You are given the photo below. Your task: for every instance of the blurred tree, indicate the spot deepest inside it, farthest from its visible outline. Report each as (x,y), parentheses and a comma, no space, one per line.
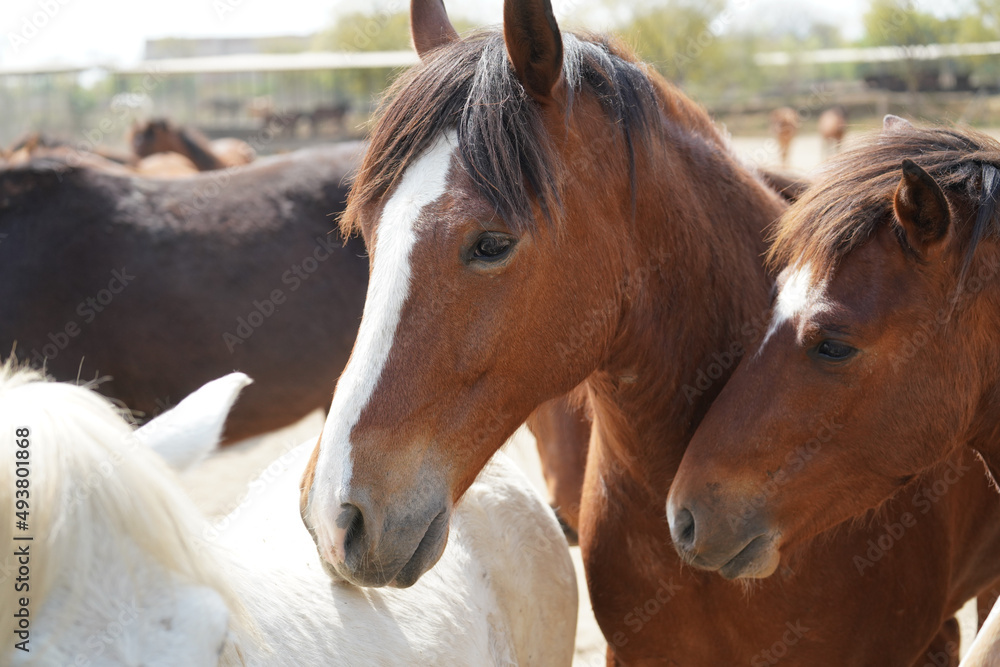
(901,23)
(678,37)
(370,31)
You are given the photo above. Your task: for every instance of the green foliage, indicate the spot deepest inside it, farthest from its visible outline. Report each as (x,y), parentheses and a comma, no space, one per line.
(900,23)
(365,31)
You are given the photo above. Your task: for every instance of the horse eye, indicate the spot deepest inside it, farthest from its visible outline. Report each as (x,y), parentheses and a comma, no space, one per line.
(491,247)
(832,350)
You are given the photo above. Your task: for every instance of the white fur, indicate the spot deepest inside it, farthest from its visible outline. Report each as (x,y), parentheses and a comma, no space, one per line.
(187,433)
(799,294)
(985,650)
(503,593)
(423,183)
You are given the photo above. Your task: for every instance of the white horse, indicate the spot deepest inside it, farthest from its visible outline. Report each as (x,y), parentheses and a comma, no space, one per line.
(123,570)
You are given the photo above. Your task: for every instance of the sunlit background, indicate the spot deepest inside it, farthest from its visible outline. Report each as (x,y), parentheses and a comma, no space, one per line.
(226,66)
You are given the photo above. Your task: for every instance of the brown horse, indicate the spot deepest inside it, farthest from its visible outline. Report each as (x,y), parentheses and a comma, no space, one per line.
(832,125)
(562,425)
(561,428)
(542,211)
(158,165)
(784,126)
(281,240)
(163,285)
(29,144)
(885,326)
(162,136)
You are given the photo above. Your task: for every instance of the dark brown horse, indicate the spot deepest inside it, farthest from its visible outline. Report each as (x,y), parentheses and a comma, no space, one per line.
(886,326)
(162,136)
(163,285)
(543,211)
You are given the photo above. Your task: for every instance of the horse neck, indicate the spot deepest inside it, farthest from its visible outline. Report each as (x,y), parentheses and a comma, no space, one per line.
(699,296)
(978,331)
(197,149)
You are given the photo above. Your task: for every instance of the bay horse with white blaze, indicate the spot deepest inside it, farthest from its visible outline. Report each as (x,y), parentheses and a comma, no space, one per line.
(886,323)
(541,210)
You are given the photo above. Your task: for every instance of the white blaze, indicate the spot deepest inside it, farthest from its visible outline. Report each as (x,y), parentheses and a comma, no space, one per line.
(797,295)
(423,183)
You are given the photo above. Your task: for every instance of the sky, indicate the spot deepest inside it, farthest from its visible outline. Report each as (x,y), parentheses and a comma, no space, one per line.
(85,32)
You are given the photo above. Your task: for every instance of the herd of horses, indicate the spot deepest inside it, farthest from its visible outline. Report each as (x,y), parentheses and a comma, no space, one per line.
(159,149)
(831,123)
(765,408)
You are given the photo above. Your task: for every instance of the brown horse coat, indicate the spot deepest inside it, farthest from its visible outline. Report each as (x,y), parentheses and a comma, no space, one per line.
(164,285)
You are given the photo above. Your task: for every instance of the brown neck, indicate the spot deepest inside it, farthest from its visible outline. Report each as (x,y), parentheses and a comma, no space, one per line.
(696,296)
(196,148)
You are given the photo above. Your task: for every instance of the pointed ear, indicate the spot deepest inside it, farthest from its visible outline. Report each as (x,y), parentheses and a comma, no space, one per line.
(429,26)
(188,432)
(534,45)
(921,208)
(892,124)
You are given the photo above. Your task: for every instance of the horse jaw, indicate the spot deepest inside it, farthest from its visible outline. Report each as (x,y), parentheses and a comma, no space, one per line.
(188,432)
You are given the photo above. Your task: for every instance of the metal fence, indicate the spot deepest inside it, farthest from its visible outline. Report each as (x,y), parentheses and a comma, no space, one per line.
(316,95)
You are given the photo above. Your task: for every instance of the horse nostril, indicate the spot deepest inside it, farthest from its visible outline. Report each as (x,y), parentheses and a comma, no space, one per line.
(682,528)
(352,522)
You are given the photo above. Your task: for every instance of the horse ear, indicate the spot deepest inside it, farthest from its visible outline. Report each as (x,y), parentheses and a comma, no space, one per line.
(921,208)
(429,26)
(895,124)
(534,45)
(188,432)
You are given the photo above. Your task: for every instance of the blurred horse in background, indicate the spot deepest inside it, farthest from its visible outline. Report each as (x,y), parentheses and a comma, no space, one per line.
(784,126)
(163,136)
(832,125)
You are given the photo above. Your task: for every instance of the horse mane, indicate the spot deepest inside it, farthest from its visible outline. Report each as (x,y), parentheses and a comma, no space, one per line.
(92,480)
(470,86)
(854,195)
(197,146)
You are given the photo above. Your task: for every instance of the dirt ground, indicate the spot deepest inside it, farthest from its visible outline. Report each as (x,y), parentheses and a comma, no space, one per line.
(218,485)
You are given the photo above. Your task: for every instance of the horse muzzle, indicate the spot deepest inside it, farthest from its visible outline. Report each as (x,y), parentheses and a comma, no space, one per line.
(366,546)
(730,543)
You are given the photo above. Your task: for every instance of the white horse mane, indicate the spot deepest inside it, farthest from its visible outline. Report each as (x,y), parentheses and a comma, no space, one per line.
(92,479)
(112,526)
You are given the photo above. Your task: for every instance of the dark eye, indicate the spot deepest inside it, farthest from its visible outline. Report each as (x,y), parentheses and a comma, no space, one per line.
(833,350)
(491,247)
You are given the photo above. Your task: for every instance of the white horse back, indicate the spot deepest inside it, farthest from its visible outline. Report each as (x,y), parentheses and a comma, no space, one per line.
(133,574)
(503,593)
